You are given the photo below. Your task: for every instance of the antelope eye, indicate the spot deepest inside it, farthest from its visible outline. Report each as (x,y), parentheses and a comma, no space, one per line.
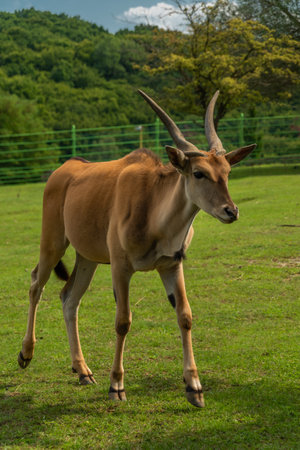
(199,175)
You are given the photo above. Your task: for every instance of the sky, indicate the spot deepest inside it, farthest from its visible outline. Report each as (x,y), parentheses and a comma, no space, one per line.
(111,14)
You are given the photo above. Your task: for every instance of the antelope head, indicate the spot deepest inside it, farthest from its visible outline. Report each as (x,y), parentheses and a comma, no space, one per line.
(205,172)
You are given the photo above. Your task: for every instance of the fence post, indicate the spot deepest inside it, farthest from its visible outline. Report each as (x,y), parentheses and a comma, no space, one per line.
(156,125)
(241,130)
(139,128)
(73,132)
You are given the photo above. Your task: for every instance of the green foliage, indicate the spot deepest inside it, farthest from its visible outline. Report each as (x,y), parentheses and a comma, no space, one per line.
(18,116)
(76,72)
(22,154)
(282,16)
(68,66)
(244,59)
(106,57)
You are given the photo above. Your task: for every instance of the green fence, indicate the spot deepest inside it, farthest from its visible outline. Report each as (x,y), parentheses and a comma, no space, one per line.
(32,157)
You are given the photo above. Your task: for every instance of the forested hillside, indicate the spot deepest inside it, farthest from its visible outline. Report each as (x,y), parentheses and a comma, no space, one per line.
(71,71)
(56,71)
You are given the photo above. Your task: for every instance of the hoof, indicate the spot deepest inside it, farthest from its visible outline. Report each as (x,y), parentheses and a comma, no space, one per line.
(117,394)
(86,379)
(195,397)
(23,362)
(122,395)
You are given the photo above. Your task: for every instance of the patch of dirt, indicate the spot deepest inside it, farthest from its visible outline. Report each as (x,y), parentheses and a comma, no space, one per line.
(287,262)
(11,394)
(276,262)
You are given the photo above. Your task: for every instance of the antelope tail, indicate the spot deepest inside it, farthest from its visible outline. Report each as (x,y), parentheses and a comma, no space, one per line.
(61,271)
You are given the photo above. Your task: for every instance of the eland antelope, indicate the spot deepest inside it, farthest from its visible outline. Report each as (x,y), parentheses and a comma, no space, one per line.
(136,214)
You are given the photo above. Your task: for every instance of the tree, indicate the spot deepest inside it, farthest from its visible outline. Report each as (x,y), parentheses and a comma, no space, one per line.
(76,72)
(283,16)
(106,57)
(244,59)
(23,154)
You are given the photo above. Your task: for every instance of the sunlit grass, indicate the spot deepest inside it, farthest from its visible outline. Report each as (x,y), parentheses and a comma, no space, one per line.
(243,283)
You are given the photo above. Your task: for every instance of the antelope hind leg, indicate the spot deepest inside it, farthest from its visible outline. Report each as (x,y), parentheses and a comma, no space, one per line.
(39,277)
(70,296)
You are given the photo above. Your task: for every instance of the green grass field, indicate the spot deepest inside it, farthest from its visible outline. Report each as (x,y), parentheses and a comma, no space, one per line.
(243,283)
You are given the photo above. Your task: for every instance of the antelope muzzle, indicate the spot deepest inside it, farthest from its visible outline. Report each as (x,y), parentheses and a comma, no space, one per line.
(231,214)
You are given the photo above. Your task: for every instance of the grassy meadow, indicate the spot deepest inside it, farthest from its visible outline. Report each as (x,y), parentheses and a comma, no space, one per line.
(243,283)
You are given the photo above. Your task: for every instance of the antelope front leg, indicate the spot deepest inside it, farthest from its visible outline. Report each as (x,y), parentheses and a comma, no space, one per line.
(122,326)
(173,281)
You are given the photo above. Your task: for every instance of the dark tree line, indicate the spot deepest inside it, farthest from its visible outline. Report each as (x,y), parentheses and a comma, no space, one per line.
(64,70)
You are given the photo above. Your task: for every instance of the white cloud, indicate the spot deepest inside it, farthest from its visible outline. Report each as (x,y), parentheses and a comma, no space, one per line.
(162,14)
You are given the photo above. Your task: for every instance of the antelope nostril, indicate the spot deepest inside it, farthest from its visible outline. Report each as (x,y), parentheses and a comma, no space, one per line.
(231,213)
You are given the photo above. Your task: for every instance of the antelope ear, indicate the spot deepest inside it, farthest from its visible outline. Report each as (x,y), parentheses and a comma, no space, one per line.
(177,158)
(237,155)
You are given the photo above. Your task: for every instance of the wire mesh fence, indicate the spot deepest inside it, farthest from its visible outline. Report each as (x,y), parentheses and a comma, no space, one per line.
(32,157)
